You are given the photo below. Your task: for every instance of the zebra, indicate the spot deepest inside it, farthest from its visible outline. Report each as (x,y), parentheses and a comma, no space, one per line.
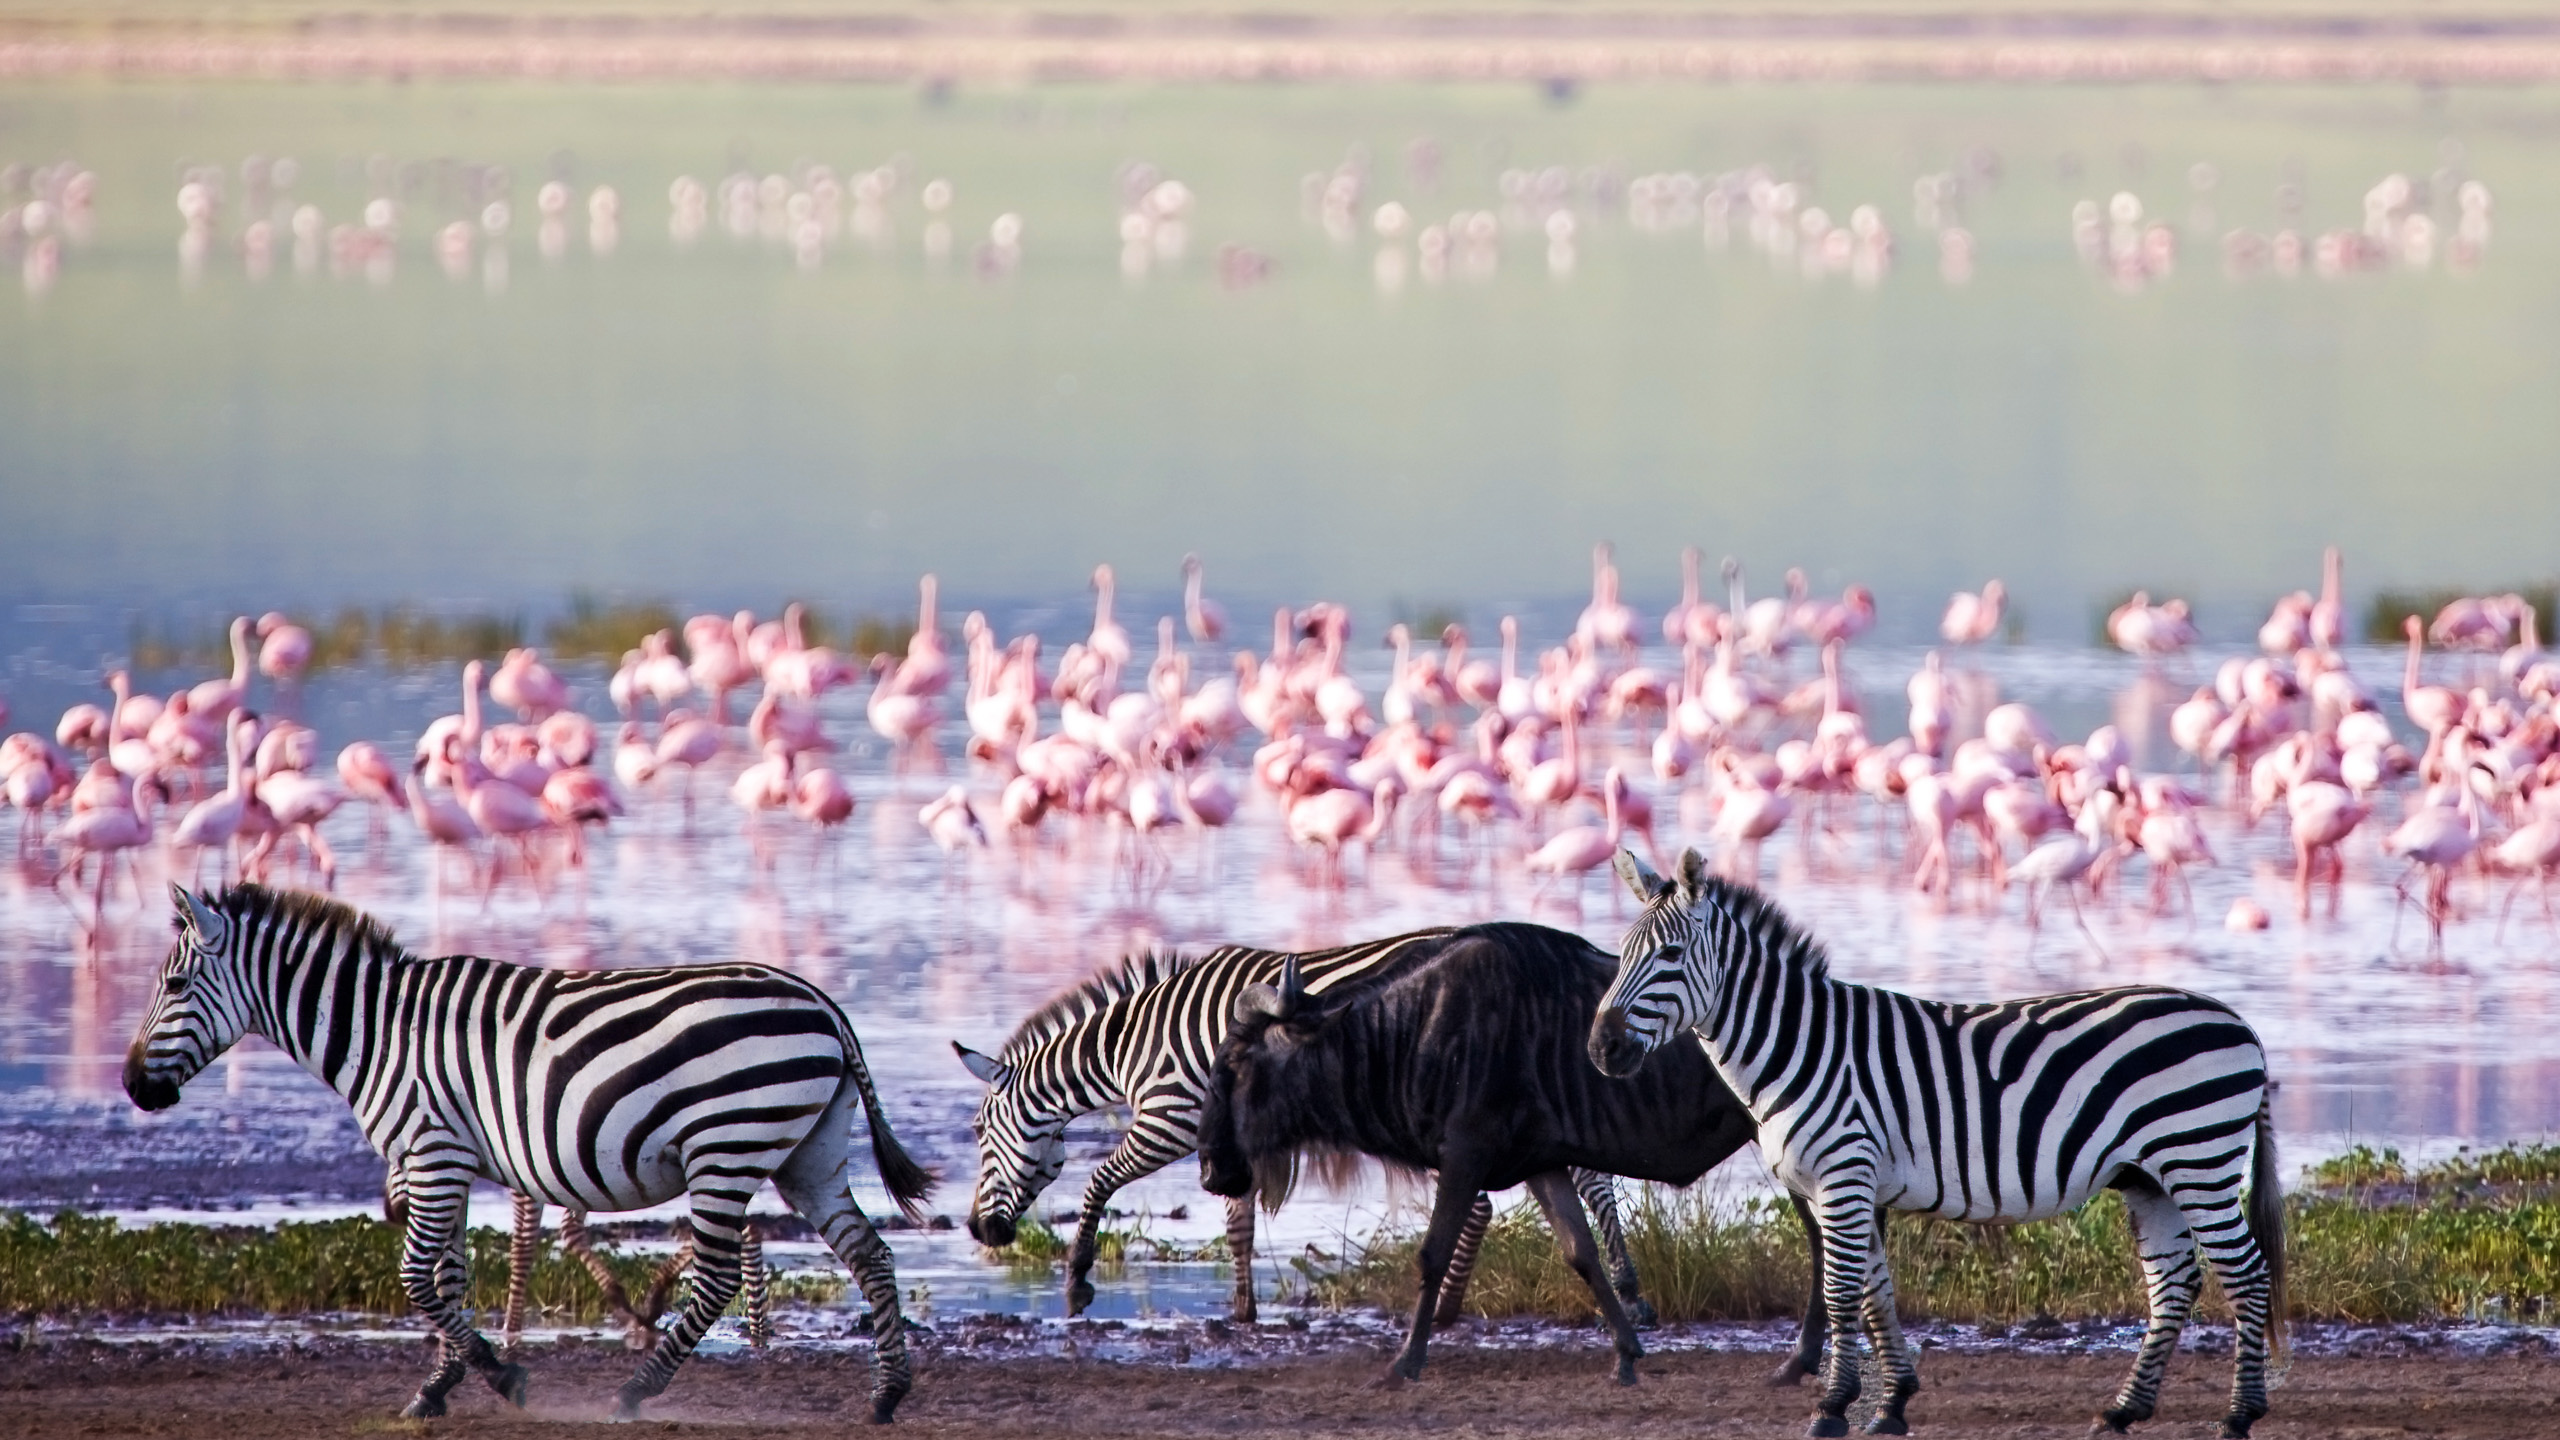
(2001,1112)
(596,1090)
(1144,1032)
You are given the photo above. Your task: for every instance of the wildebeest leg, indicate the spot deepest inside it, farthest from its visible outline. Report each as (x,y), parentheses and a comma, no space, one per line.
(1563,1207)
(1807,1359)
(1240,1250)
(1600,1196)
(1449,1210)
(1462,1263)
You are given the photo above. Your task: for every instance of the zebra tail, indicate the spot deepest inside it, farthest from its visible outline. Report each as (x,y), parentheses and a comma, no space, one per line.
(909,1183)
(2266,1226)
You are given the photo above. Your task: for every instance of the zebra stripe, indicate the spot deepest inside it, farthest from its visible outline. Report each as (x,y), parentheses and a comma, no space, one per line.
(2000,1112)
(603,1090)
(1145,1033)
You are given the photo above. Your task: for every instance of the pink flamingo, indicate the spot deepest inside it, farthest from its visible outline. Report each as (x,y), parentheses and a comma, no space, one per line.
(440,816)
(1607,623)
(83,727)
(106,831)
(2432,708)
(1752,812)
(690,741)
(502,812)
(1201,616)
(927,669)
(133,714)
(218,698)
(299,803)
(215,822)
(660,676)
(1330,819)
(2168,833)
(2531,850)
(635,760)
(1584,848)
(368,776)
(766,784)
(2435,838)
(1554,782)
(821,798)
(2287,630)
(568,739)
(952,824)
(903,720)
(284,648)
(525,685)
(2329,612)
(1108,640)
(2324,813)
(719,661)
(575,798)
(1677,622)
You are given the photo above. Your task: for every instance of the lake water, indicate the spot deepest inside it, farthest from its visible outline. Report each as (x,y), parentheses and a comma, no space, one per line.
(717,419)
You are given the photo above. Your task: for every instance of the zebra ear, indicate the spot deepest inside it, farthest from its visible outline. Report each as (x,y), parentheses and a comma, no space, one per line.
(200,917)
(1638,875)
(986,1067)
(1693,875)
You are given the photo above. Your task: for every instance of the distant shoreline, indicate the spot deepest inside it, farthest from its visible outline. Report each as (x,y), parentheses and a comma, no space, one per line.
(1993,46)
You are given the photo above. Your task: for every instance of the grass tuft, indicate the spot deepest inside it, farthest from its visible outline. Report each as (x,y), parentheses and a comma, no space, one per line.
(596,630)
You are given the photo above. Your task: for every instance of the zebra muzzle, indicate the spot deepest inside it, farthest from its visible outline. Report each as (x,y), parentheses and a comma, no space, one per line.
(993,1231)
(148,1091)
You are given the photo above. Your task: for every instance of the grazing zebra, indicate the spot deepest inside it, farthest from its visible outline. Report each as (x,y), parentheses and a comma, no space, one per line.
(1145,1033)
(2012,1111)
(597,1090)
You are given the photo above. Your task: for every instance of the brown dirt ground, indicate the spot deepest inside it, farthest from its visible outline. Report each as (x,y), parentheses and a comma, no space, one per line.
(88,1390)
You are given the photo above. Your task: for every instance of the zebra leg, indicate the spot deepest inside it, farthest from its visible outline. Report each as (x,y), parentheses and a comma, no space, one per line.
(1240,1251)
(1884,1327)
(1555,1194)
(1146,1149)
(1462,1262)
(717,1216)
(2222,1228)
(436,1201)
(1449,1208)
(520,1257)
(829,1209)
(1845,1221)
(1600,1195)
(2171,1281)
(452,1276)
(759,1287)
(638,1332)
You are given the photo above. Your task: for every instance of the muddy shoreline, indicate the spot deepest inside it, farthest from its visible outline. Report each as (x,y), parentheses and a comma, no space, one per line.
(996,1377)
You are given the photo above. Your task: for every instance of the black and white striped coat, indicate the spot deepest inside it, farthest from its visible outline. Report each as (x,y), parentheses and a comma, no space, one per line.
(2011,1111)
(1145,1033)
(598,1090)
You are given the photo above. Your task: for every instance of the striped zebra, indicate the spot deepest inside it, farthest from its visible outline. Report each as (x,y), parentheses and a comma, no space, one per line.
(599,1090)
(2003,1112)
(1144,1032)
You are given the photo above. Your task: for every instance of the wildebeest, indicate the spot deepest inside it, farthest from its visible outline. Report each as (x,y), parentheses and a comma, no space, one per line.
(1471,1065)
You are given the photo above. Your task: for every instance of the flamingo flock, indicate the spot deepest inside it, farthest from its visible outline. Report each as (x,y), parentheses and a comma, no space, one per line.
(1540,764)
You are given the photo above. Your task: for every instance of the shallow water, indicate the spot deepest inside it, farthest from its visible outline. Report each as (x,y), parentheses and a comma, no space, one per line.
(2373,1041)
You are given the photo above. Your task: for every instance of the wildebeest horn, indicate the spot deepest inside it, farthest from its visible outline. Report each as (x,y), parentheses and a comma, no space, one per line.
(1258,1000)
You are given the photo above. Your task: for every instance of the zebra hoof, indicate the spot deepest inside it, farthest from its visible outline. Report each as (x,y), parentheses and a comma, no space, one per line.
(1827,1425)
(1888,1425)
(1394,1379)
(509,1381)
(884,1408)
(425,1407)
(2236,1427)
(1789,1374)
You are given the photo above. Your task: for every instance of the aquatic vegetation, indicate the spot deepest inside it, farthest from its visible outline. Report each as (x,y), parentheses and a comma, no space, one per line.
(1038,1245)
(88,1265)
(595,629)
(2372,1239)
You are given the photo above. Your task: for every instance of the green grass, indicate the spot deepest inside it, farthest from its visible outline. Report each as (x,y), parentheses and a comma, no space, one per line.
(1039,1246)
(596,630)
(2371,1238)
(87,1266)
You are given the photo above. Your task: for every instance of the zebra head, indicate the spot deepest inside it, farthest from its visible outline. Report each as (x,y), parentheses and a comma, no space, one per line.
(196,1012)
(1022,1146)
(1665,965)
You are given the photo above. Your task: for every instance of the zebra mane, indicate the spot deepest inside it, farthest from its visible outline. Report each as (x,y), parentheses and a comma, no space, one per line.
(1106,986)
(258,902)
(1758,917)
